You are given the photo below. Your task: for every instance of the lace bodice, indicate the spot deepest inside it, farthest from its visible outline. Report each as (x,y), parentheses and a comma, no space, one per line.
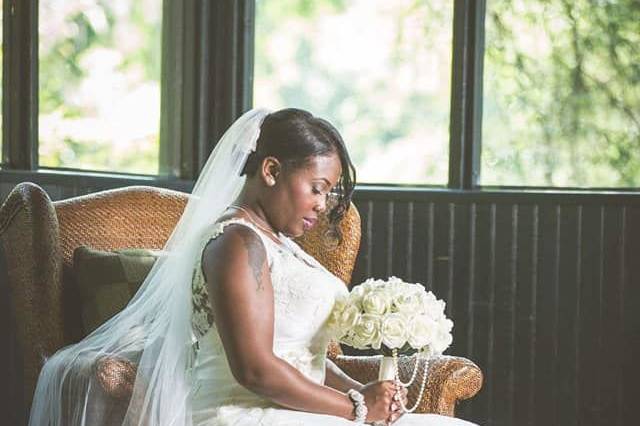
(304,294)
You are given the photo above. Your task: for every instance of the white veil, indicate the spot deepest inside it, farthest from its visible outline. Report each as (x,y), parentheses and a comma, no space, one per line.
(154,331)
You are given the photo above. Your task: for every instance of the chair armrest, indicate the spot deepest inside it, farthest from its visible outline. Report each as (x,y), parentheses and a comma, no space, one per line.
(116,376)
(450,379)
(31,290)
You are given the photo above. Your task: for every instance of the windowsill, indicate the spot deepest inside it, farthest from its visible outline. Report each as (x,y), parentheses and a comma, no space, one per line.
(97,179)
(522,195)
(364,191)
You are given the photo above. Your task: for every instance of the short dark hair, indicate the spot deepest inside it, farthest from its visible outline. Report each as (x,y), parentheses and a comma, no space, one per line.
(293,136)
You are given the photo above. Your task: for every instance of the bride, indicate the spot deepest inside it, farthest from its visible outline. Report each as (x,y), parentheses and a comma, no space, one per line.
(229,326)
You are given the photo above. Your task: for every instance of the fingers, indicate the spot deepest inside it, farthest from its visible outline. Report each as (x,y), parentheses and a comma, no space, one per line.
(401,394)
(396,411)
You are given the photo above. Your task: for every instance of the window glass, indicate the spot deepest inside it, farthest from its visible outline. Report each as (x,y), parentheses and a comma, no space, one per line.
(562,93)
(379,70)
(100,84)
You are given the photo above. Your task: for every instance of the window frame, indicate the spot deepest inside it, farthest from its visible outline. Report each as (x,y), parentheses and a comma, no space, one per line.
(207,82)
(19,85)
(204,46)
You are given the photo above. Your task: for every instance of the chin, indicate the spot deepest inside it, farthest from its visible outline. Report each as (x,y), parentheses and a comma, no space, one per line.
(296,232)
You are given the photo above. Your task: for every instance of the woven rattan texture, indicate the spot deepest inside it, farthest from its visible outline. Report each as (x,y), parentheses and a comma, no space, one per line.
(116,376)
(340,259)
(450,379)
(136,216)
(28,234)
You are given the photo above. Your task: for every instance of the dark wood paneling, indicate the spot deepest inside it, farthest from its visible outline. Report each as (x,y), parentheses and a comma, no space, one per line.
(630,301)
(612,337)
(542,288)
(525,254)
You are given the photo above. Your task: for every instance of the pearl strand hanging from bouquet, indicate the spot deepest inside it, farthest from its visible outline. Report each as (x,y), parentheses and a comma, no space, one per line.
(397,397)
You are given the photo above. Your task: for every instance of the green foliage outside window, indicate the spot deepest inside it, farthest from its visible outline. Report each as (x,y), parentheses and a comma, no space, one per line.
(561,86)
(562,93)
(378,70)
(99,88)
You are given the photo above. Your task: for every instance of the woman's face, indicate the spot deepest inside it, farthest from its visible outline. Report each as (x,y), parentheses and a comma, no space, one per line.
(300,194)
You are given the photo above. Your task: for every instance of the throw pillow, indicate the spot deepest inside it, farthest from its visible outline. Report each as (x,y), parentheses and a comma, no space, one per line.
(108,280)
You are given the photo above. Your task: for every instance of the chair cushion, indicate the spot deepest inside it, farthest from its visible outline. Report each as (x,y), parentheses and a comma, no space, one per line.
(106,281)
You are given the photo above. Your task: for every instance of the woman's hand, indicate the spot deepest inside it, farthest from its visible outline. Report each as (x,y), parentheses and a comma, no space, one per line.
(378,396)
(400,394)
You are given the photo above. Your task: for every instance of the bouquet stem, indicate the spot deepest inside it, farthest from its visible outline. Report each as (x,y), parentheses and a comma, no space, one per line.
(387,369)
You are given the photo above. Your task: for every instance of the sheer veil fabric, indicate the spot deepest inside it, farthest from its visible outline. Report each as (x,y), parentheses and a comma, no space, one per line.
(154,331)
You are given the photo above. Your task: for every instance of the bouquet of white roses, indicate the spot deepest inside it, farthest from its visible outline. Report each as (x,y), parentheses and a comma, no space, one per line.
(392,314)
(395,318)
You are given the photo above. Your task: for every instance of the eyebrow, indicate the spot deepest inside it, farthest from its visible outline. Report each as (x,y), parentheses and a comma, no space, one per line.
(325,181)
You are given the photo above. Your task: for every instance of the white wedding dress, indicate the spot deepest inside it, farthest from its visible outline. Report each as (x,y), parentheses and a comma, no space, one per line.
(304,294)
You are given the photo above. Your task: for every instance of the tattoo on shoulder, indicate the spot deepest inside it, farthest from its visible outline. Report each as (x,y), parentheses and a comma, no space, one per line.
(256,257)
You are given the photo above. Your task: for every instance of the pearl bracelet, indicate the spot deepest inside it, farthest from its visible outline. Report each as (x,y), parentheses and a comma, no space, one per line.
(359,406)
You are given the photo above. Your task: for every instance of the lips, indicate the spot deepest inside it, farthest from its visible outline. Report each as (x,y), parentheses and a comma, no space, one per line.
(308,223)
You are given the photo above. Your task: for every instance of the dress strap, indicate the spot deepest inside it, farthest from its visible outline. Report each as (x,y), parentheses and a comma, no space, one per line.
(219,228)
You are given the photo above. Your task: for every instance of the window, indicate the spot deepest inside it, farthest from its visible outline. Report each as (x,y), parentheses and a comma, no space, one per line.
(536,94)
(380,71)
(99,84)
(561,94)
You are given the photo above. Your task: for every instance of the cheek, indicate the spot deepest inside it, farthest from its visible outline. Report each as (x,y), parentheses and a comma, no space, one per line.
(288,200)
(300,198)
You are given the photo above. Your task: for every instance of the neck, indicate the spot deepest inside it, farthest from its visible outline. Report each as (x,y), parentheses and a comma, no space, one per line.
(252,204)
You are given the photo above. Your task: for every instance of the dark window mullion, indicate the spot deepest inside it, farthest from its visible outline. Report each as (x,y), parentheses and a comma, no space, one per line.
(466,94)
(171,89)
(20,85)
(230,89)
(206,81)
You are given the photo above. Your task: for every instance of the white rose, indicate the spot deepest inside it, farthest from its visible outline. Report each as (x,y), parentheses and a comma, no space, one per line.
(333,322)
(407,302)
(421,293)
(367,332)
(445,324)
(358,292)
(421,331)
(370,284)
(435,308)
(395,285)
(430,296)
(395,281)
(375,302)
(441,342)
(393,330)
(348,318)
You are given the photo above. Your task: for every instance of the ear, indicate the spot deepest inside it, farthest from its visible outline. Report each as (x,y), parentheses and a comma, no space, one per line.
(270,170)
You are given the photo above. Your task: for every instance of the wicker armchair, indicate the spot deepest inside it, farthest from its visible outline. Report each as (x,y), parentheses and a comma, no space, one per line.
(41,310)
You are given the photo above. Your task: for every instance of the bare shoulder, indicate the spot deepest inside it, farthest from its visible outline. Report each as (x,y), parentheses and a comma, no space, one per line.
(235,252)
